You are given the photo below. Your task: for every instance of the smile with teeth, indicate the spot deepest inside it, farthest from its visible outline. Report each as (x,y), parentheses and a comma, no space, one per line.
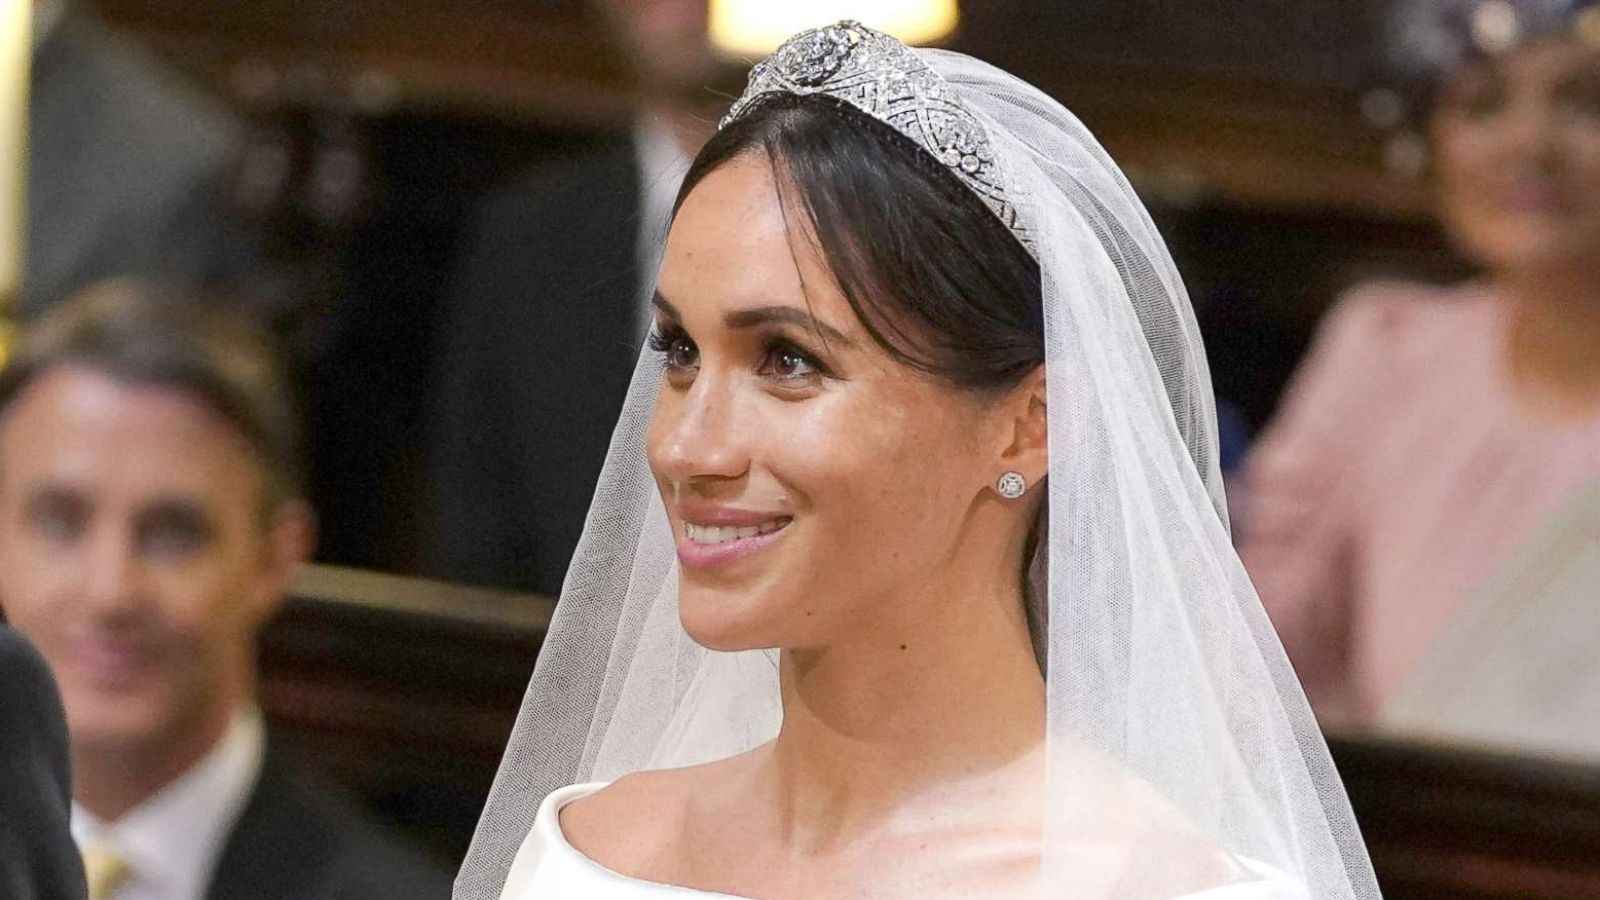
(723,534)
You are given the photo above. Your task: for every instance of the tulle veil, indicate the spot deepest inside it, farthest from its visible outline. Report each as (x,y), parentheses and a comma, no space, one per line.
(1159,657)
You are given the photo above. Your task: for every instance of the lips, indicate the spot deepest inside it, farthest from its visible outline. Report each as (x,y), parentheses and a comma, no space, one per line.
(709,544)
(1534,196)
(722,534)
(110,663)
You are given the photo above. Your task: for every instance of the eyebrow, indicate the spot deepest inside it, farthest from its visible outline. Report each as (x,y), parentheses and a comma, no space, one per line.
(51,493)
(766,315)
(175,507)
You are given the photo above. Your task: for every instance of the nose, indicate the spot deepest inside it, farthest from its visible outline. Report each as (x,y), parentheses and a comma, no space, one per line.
(696,436)
(113,576)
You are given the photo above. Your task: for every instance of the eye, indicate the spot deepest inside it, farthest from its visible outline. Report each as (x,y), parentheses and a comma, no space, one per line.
(172,540)
(787,362)
(55,518)
(672,342)
(175,531)
(1582,99)
(1479,97)
(1481,104)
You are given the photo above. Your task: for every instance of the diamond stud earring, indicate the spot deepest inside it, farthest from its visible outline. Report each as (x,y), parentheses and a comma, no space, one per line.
(1011,485)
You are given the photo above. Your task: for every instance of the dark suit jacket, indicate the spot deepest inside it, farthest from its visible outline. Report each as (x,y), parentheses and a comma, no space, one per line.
(537,345)
(38,860)
(298,839)
(125,166)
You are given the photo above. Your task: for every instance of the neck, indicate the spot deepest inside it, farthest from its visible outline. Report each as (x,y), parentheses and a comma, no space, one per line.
(1554,328)
(111,779)
(913,710)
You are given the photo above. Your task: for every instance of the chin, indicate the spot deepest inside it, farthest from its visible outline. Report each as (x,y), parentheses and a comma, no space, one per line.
(1533,246)
(726,620)
(117,722)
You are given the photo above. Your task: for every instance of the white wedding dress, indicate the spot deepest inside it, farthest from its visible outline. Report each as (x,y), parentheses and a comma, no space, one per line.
(549,868)
(1157,657)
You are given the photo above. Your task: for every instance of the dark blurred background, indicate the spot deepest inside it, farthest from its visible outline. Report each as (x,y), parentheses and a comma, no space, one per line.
(1240,123)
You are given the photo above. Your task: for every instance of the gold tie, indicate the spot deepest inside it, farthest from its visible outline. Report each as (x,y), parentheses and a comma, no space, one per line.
(105,870)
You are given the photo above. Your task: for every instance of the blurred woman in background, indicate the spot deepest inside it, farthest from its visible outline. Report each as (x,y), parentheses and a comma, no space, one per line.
(1431,431)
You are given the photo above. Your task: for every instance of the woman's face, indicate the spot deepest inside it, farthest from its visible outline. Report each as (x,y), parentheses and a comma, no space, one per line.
(1518,148)
(809,478)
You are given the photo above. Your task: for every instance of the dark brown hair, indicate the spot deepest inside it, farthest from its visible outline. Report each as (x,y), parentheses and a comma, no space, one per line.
(149,333)
(935,277)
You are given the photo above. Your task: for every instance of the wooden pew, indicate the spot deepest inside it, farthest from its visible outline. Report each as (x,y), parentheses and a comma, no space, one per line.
(401,689)
(1467,824)
(405,691)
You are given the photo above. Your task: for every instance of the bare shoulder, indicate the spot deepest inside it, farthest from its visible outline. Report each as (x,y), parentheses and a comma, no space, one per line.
(1133,820)
(612,825)
(629,824)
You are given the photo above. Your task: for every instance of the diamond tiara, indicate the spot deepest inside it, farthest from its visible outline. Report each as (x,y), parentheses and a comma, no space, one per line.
(887,80)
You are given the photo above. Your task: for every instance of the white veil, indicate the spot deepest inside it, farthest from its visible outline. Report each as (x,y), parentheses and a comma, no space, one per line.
(1159,657)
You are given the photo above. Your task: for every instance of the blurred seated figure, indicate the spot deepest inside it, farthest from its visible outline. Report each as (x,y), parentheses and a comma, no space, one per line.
(538,337)
(150,522)
(37,858)
(1519,668)
(126,165)
(1431,431)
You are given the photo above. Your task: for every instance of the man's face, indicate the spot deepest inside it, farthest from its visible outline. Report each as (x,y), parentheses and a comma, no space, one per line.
(135,553)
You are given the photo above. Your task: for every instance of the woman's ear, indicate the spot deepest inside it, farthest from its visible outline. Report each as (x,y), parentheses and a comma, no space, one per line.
(1027,421)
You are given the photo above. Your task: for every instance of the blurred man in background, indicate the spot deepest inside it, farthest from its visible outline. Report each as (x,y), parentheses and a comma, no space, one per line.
(540,334)
(150,523)
(127,165)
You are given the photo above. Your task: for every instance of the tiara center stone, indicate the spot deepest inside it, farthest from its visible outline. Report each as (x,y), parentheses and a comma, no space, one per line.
(816,57)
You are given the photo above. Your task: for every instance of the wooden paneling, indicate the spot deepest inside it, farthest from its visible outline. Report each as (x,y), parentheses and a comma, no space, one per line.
(1255,100)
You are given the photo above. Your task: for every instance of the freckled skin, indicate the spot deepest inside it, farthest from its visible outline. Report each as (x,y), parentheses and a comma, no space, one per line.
(876,464)
(911,754)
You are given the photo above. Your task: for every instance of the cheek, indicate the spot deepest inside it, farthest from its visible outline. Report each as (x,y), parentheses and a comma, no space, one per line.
(1468,172)
(662,420)
(193,612)
(1463,170)
(1461,149)
(205,609)
(889,486)
(36,587)
(1586,166)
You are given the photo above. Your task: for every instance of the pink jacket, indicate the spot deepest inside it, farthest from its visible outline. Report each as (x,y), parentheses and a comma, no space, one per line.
(1396,477)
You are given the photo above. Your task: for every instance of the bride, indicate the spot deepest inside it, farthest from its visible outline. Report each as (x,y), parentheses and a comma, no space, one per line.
(909,574)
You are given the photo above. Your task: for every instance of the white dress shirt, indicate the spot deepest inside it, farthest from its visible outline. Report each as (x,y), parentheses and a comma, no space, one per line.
(171,841)
(662,164)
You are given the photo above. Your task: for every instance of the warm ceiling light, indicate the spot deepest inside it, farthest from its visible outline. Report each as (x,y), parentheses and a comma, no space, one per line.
(754,28)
